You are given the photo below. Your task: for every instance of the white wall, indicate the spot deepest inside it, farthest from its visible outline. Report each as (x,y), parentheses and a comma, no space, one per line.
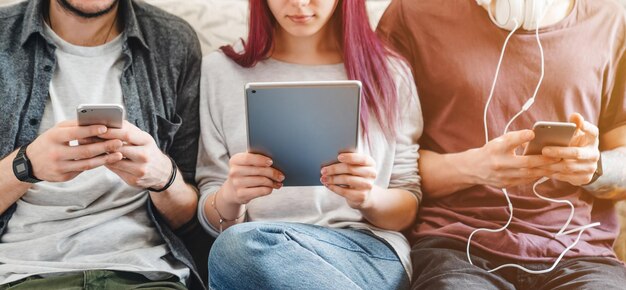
(221,22)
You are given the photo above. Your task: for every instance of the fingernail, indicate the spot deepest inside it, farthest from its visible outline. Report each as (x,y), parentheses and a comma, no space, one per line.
(548,151)
(281,178)
(324,179)
(269,162)
(323,171)
(341,158)
(102,130)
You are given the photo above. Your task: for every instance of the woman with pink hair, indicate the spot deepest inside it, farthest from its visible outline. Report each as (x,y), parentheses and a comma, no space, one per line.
(345,234)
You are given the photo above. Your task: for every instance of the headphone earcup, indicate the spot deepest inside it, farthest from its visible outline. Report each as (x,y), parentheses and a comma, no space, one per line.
(534,10)
(508,12)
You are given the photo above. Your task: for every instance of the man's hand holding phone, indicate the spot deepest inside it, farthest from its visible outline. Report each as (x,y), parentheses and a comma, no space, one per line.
(144,164)
(54,160)
(496,164)
(578,161)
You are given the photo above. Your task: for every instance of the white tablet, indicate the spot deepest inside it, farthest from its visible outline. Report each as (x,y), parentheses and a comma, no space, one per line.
(303,126)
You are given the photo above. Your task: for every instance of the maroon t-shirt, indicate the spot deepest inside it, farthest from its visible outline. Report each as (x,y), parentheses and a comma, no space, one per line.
(454,48)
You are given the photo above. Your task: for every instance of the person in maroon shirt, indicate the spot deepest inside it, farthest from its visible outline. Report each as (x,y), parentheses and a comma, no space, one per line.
(453,47)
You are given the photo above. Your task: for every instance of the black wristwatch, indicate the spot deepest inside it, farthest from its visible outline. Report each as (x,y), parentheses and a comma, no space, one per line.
(598,172)
(22,168)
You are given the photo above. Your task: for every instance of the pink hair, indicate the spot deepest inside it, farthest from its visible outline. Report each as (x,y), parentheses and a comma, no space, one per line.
(365,57)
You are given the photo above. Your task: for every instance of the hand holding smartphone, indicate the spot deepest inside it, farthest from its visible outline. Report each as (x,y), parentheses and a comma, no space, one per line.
(110,115)
(550,134)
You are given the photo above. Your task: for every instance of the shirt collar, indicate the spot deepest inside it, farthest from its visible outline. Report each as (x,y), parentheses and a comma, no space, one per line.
(35,9)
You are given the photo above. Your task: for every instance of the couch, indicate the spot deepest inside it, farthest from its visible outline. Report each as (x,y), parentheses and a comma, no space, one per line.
(220,22)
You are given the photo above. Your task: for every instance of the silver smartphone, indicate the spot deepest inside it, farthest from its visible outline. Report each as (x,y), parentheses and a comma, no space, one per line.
(110,115)
(550,134)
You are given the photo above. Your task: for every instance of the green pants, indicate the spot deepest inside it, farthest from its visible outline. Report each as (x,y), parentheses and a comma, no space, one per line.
(95,279)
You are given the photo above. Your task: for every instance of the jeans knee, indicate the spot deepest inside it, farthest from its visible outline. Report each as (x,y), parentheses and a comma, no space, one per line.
(243,248)
(226,257)
(229,246)
(240,247)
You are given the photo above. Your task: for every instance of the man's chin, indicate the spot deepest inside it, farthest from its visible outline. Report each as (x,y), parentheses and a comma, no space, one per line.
(91,11)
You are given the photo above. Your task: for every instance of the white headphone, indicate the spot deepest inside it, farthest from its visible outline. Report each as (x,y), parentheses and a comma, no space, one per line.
(525,12)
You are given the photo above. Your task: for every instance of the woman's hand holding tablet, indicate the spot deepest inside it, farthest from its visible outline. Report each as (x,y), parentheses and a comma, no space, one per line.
(353,178)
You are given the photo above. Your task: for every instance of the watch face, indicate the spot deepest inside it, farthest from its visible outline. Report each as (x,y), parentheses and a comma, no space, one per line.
(21,168)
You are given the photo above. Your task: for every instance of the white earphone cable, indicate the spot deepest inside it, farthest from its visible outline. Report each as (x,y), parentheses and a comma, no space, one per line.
(531,101)
(495,80)
(493,85)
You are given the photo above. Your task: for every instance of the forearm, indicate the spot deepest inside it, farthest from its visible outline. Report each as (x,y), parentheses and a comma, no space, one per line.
(445,174)
(11,189)
(391,209)
(612,184)
(177,204)
(231,214)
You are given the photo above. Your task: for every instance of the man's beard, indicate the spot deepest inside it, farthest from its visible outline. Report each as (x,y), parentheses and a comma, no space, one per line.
(74,10)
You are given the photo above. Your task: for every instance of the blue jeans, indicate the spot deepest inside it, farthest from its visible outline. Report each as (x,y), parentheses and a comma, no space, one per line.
(257,255)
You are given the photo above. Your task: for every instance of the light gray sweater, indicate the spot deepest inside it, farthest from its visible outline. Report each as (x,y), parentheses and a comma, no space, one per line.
(223,134)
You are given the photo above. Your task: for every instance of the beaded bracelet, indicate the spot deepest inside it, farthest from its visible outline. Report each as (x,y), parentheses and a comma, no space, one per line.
(222,219)
(171,180)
